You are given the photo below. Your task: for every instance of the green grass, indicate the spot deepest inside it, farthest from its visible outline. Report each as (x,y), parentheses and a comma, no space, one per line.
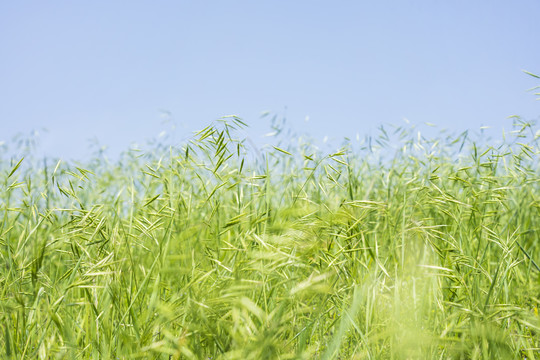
(213,251)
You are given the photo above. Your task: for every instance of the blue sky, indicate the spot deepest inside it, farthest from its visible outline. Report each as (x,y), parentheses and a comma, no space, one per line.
(107,70)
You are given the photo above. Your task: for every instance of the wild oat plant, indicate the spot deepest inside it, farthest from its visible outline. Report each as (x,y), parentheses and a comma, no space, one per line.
(398,248)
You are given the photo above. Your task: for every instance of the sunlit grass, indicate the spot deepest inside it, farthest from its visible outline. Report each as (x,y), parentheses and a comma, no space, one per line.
(429,251)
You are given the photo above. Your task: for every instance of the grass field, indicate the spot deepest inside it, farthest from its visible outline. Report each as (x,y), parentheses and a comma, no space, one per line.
(216,251)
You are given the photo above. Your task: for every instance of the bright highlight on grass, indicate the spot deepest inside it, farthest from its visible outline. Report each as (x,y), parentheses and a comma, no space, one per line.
(213,252)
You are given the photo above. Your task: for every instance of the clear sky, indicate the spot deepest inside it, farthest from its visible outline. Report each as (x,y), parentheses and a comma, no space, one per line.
(107,70)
